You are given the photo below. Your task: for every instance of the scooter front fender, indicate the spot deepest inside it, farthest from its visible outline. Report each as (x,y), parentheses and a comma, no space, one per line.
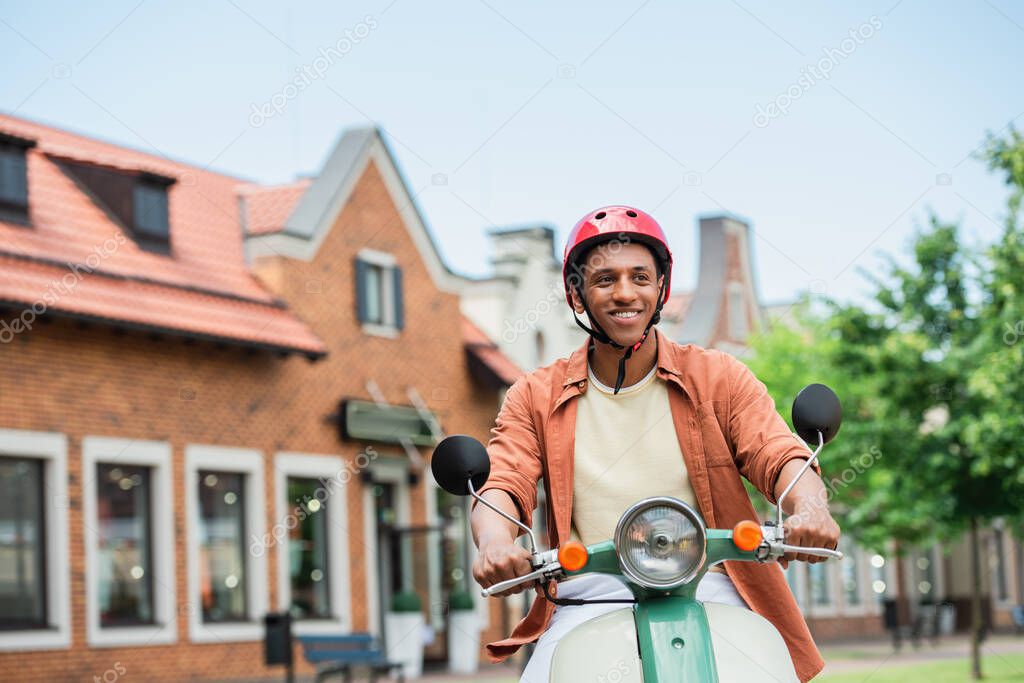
(657,641)
(684,641)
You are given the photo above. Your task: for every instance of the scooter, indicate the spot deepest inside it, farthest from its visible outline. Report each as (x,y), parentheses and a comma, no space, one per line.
(661,549)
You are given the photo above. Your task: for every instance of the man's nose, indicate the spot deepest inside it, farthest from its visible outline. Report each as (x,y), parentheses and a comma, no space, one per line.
(624,290)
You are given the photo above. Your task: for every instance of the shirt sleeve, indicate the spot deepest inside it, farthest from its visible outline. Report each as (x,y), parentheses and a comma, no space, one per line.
(515,452)
(761,439)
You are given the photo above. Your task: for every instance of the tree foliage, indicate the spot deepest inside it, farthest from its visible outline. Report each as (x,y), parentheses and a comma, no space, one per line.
(931,375)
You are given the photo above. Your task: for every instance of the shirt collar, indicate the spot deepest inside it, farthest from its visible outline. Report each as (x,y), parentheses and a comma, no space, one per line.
(576,370)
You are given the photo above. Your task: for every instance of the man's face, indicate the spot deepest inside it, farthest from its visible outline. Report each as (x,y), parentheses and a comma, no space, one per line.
(621,285)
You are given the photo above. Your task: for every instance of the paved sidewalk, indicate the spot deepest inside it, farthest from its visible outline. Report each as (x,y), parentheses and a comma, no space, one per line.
(488,673)
(868,656)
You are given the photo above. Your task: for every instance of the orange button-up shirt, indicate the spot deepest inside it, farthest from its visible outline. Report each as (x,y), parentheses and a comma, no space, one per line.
(727,426)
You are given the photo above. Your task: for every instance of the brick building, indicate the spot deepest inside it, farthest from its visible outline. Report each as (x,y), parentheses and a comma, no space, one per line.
(216,400)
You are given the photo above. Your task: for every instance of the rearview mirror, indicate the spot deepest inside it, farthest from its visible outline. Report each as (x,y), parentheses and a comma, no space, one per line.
(457,460)
(816,409)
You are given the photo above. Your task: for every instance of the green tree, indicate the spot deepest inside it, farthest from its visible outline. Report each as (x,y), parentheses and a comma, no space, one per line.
(932,386)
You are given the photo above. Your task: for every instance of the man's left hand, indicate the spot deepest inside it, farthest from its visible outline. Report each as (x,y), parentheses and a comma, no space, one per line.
(810,526)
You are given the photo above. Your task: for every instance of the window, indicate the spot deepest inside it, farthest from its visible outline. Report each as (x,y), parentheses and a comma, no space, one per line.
(373,292)
(149,210)
(307,551)
(1002,586)
(379,305)
(227,543)
(125,535)
(310,531)
(22,545)
(128,528)
(850,568)
(793,576)
(222,545)
(13,174)
(35,569)
(818,577)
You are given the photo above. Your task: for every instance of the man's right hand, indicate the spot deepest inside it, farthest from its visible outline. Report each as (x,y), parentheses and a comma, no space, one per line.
(500,559)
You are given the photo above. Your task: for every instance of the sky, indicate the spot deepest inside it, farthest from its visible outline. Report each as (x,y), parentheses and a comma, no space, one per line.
(834,128)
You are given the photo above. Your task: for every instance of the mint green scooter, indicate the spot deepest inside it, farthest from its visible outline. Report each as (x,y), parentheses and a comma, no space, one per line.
(662,549)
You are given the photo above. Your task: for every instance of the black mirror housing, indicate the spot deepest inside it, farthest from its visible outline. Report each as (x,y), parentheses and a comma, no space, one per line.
(457,460)
(817,409)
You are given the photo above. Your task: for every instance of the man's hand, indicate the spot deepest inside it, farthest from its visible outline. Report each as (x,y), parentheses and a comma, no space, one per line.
(811,525)
(500,559)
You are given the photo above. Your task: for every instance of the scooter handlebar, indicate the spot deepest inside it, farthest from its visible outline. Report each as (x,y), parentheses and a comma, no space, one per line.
(536,574)
(773,550)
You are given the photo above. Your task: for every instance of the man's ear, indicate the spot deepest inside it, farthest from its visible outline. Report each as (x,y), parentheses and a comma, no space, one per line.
(577,303)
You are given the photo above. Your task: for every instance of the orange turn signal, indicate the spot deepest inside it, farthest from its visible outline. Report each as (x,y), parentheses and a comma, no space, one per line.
(747,535)
(572,556)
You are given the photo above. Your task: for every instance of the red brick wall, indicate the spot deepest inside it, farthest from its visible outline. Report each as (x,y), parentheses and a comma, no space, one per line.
(79,381)
(846,628)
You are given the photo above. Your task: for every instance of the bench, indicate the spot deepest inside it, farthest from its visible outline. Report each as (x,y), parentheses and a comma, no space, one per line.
(343,653)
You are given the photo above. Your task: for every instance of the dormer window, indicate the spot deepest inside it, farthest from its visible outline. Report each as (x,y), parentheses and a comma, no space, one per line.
(149,209)
(13,176)
(135,198)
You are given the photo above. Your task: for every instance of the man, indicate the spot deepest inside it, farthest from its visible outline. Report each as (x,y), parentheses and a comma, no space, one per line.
(630,415)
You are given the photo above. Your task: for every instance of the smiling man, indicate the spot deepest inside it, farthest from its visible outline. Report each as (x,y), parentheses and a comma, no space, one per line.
(630,415)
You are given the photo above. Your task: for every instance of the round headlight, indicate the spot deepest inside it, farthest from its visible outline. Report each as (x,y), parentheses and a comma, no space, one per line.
(661,543)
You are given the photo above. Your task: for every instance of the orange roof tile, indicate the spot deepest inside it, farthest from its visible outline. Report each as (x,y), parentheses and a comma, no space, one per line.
(267,208)
(202,287)
(487,353)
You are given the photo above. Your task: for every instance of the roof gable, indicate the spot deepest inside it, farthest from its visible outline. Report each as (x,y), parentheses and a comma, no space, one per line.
(317,211)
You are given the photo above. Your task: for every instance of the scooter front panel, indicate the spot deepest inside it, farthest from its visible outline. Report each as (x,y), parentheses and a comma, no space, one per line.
(602,650)
(747,647)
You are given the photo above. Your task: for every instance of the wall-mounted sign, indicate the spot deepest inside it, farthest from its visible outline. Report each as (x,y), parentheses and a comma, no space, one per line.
(369,421)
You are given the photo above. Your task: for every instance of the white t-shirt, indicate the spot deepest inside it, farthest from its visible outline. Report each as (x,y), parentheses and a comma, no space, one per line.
(626,450)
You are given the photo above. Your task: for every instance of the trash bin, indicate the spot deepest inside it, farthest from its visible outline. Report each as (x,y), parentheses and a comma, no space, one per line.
(277,638)
(947,618)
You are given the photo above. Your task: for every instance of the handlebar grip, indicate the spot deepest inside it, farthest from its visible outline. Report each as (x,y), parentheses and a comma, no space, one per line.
(816,552)
(519,580)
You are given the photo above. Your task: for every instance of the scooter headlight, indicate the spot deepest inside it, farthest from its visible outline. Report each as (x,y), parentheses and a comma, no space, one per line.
(661,543)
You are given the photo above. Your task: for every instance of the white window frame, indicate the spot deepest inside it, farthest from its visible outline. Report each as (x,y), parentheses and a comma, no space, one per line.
(391,472)
(287,464)
(250,464)
(387,263)
(157,456)
(52,449)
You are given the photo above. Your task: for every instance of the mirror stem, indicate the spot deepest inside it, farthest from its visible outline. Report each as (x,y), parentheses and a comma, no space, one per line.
(528,530)
(810,461)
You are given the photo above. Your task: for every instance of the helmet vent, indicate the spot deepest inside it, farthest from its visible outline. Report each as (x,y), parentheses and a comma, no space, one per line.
(599,215)
(631,213)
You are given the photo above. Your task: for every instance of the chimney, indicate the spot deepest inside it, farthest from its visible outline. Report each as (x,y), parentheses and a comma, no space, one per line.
(514,248)
(725,309)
